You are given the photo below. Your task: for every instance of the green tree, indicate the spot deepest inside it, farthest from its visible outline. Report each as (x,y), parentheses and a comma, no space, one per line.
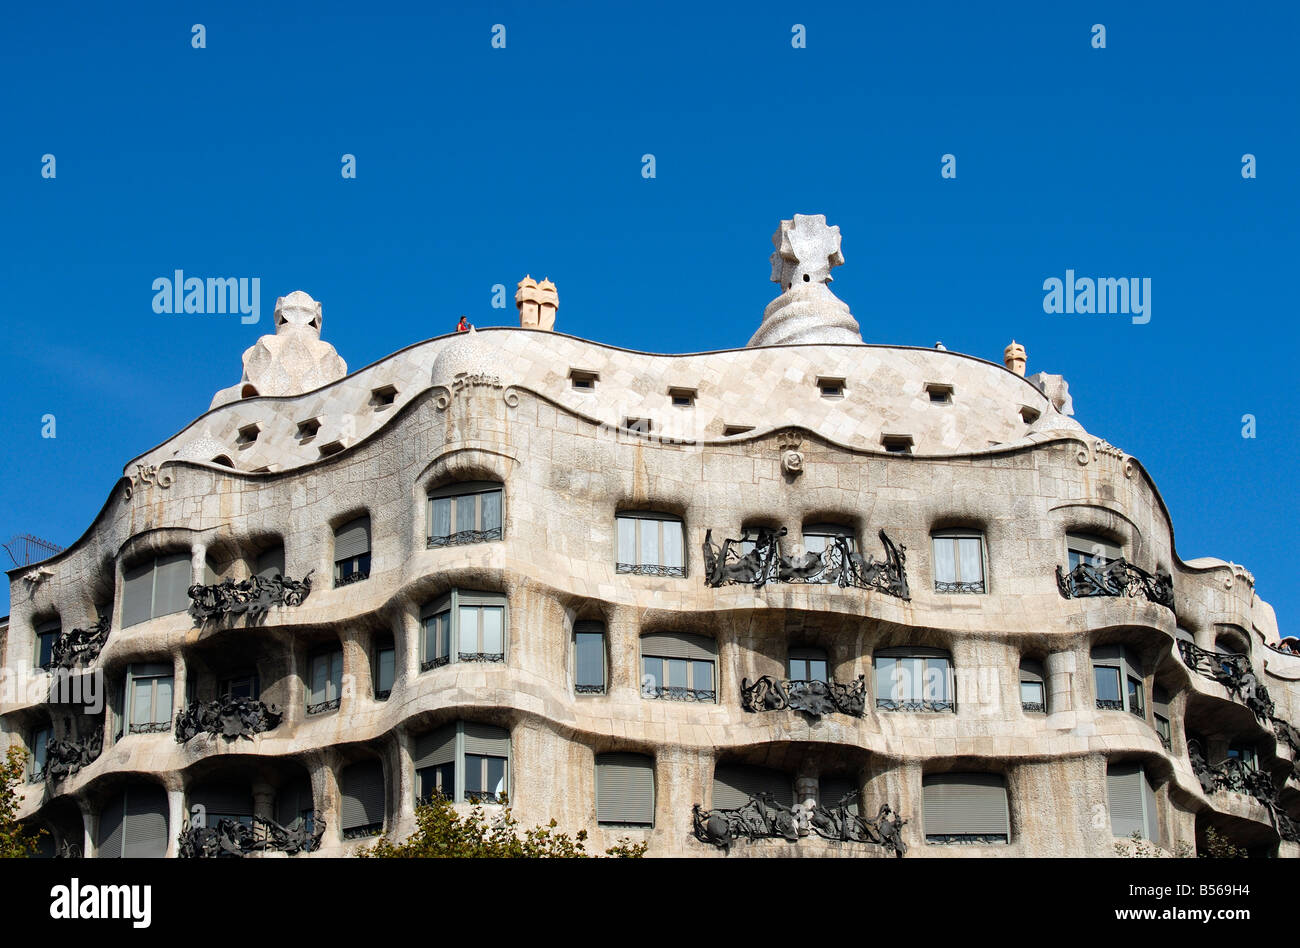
(16,840)
(442,833)
(1218,846)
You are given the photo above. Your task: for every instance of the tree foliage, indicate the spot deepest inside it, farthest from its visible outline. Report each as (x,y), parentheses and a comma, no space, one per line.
(16,840)
(442,833)
(1218,846)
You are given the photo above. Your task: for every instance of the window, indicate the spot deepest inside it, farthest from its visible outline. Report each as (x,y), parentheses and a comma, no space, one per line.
(625,789)
(47,633)
(148,698)
(1160,711)
(682,397)
(465,626)
(1029,415)
(270,563)
(307,430)
(223,803)
(734,785)
(1116,667)
(156,587)
(1132,802)
(352,552)
(807,664)
(589,658)
(466,512)
(247,435)
(1246,754)
(730,431)
(133,824)
(896,443)
(914,679)
(37,744)
(384,667)
(831,388)
(1033,695)
(639,425)
(325,681)
(965,808)
(583,381)
(678,666)
(650,544)
(832,789)
(382,397)
(463,761)
(242,685)
(939,392)
(820,537)
(958,561)
(1093,550)
(334,447)
(361,787)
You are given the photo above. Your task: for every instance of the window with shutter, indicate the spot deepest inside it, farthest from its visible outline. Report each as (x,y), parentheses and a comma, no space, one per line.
(965,808)
(650,544)
(678,666)
(47,633)
(294,801)
(144,824)
(1033,691)
(223,802)
(625,789)
(435,763)
(1132,801)
(1119,676)
(352,552)
(156,587)
(384,667)
(734,785)
(464,761)
(832,789)
(270,563)
(148,703)
(109,843)
(1094,550)
(361,786)
(325,681)
(467,512)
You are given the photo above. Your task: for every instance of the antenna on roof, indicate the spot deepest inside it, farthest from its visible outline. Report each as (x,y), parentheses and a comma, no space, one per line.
(26,549)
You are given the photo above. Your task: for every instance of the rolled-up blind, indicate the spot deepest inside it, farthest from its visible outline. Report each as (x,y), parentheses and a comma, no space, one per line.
(144,829)
(1124,789)
(832,789)
(441,604)
(1160,701)
(110,828)
(1031,670)
(225,801)
(137,593)
(270,562)
(292,799)
(734,784)
(362,787)
(678,645)
(352,539)
(965,805)
(435,748)
(486,739)
(474,597)
(625,789)
(171,584)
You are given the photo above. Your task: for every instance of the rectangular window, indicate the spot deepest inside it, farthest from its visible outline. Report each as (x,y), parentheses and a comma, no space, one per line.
(149,698)
(47,633)
(485,779)
(1135,697)
(240,686)
(678,666)
(326,682)
(385,669)
(915,681)
(482,633)
(38,744)
(465,513)
(437,640)
(1162,728)
(805,666)
(819,538)
(1095,551)
(958,563)
(1031,696)
(650,544)
(831,388)
(589,658)
(156,587)
(965,808)
(1108,693)
(352,552)
(625,792)
(439,780)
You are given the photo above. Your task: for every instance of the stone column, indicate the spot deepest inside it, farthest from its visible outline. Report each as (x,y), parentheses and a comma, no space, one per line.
(175,813)
(198,564)
(89,826)
(1059,670)
(264,800)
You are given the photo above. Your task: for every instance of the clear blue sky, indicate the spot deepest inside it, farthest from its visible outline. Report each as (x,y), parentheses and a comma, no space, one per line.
(477,165)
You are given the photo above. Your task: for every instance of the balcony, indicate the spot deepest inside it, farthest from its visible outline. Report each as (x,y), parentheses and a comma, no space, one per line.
(671,693)
(227,717)
(1233,672)
(916,704)
(321,707)
(463,537)
(1033,707)
(811,697)
(233,838)
(650,569)
(1236,776)
(763,817)
(1116,578)
(64,758)
(150,727)
(837,565)
(80,646)
(253,597)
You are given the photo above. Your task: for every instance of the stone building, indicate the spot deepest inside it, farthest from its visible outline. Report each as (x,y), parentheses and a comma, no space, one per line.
(808,597)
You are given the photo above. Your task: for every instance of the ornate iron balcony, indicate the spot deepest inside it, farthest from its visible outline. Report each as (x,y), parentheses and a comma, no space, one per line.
(151,727)
(231,838)
(1231,774)
(837,565)
(361,832)
(915,704)
(351,578)
(481,656)
(1166,742)
(589,689)
(64,758)
(668,693)
(463,537)
(965,839)
(763,817)
(649,569)
(811,697)
(253,597)
(228,717)
(1033,707)
(1108,704)
(977,586)
(80,646)
(1234,672)
(435,663)
(322,706)
(1137,712)
(1116,578)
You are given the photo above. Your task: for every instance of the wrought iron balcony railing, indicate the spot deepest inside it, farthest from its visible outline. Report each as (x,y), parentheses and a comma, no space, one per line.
(353,577)
(497,657)
(1109,704)
(916,704)
(80,646)
(464,536)
(150,727)
(1033,707)
(63,758)
(670,693)
(1236,776)
(1166,742)
(437,662)
(253,597)
(321,707)
(811,697)
(837,565)
(1116,578)
(975,586)
(232,838)
(649,569)
(965,839)
(589,689)
(763,817)
(228,717)
(1234,672)
(362,832)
